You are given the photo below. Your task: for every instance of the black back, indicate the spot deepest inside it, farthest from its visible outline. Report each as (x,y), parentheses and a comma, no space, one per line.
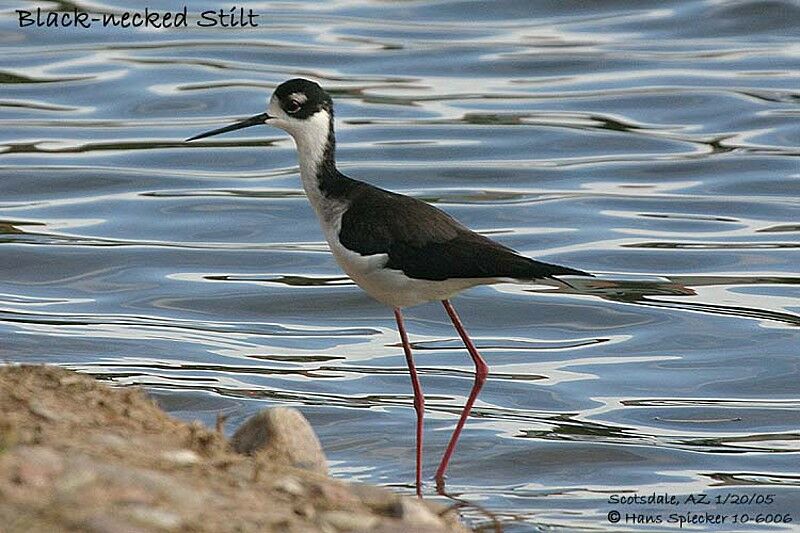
(427,243)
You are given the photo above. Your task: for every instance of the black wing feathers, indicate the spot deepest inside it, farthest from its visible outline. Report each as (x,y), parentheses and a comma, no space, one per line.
(426,243)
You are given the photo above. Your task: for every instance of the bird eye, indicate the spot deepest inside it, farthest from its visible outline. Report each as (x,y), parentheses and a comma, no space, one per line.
(293,106)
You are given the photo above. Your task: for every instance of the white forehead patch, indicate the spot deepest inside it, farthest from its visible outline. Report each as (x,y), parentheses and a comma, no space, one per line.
(300,98)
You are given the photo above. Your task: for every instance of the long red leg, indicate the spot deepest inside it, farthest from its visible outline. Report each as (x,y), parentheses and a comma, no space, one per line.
(481,371)
(419,399)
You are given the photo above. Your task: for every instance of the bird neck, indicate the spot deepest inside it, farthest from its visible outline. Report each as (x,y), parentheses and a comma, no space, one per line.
(316,150)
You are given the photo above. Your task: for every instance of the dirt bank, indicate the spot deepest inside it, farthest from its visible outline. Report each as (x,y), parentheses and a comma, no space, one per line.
(76,455)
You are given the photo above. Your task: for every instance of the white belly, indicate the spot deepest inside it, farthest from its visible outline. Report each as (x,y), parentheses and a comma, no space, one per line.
(392,287)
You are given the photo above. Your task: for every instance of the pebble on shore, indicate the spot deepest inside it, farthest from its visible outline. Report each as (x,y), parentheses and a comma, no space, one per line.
(78,455)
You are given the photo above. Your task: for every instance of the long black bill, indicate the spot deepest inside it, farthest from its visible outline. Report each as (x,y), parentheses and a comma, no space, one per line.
(246,123)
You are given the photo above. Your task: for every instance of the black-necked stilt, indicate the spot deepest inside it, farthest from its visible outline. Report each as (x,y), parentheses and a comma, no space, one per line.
(400,250)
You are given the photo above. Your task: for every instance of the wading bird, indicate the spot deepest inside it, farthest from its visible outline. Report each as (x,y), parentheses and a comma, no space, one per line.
(400,250)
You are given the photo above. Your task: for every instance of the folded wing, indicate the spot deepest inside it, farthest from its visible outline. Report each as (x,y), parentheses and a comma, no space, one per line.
(427,243)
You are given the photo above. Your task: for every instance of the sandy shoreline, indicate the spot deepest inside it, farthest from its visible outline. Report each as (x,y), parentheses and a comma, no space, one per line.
(77,455)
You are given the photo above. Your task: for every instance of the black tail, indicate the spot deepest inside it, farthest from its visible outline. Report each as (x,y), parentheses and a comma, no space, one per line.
(540,270)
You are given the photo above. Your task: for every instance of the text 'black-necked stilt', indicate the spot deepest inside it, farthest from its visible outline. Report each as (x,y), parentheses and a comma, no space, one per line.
(400,250)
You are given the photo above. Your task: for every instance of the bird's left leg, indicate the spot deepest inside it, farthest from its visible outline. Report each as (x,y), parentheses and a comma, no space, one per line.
(481,371)
(419,399)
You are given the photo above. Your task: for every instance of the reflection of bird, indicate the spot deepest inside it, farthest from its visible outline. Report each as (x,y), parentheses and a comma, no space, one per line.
(402,251)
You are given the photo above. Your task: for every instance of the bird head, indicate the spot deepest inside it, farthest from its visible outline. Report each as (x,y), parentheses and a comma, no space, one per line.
(297,106)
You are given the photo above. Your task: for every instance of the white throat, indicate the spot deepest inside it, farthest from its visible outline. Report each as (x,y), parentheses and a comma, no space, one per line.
(311,138)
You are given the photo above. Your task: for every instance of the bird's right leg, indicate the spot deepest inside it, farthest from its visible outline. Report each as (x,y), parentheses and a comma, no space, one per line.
(481,371)
(419,399)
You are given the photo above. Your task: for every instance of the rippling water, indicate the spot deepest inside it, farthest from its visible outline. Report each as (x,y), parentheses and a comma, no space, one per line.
(653,143)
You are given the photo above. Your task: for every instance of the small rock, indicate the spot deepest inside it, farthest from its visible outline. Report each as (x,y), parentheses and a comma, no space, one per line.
(74,479)
(155,517)
(283,434)
(113,442)
(41,411)
(182,457)
(305,510)
(415,513)
(344,521)
(290,485)
(50,415)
